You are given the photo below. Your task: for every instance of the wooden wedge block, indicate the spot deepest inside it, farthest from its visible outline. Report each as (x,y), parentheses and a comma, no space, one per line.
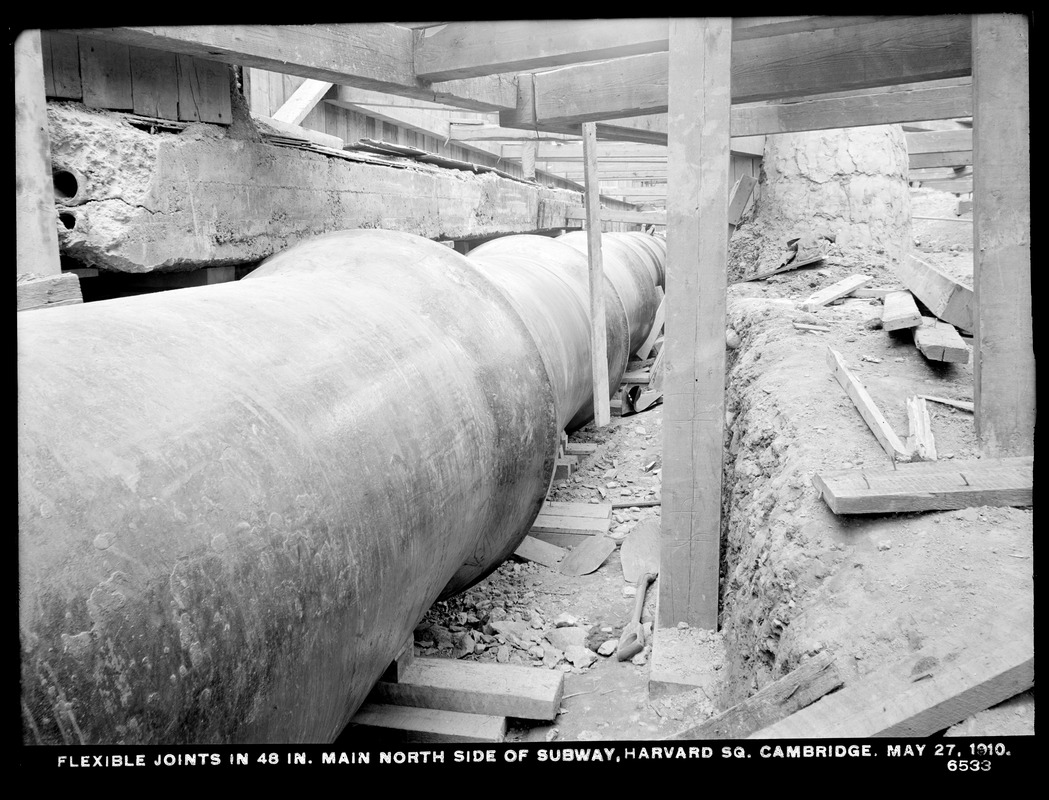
(929,486)
(886,437)
(533,549)
(778,700)
(938,341)
(500,690)
(945,297)
(900,311)
(396,670)
(925,693)
(840,289)
(429,725)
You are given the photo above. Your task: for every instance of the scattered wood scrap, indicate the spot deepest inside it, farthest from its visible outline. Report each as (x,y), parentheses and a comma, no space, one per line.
(42,291)
(874,292)
(938,341)
(475,688)
(885,435)
(533,549)
(920,440)
(399,665)
(964,405)
(945,297)
(929,486)
(778,700)
(842,288)
(427,725)
(900,311)
(925,693)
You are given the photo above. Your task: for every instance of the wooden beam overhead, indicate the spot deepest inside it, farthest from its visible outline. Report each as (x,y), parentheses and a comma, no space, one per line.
(472,49)
(961,158)
(939,141)
(302,101)
(375,56)
(484,132)
(793,65)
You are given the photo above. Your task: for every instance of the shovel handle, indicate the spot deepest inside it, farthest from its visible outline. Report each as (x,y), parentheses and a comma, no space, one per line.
(642,590)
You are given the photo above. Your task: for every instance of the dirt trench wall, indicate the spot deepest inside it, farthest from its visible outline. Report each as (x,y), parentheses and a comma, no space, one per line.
(164,201)
(848,185)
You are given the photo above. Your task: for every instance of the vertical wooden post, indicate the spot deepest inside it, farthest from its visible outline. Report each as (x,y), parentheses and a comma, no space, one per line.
(598,342)
(36,231)
(1003,354)
(694,365)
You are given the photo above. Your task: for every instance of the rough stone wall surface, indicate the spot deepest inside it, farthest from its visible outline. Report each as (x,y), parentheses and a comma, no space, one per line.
(165,202)
(848,185)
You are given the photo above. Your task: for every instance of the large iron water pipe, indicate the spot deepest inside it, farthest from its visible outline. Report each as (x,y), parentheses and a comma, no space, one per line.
(236,501)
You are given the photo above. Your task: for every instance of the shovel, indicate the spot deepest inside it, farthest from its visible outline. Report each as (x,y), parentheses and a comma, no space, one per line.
(632,639)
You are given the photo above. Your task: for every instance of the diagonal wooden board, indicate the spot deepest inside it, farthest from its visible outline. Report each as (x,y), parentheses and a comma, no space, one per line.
(588,556)
(879,426)
(925,693)
(929,486)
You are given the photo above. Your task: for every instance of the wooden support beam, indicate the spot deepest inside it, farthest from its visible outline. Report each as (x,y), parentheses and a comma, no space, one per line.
(939,141)
(793,65)
(929,486)
(598,335)
(945,297)
(1004,361)
(36,231)
(471,49)
(883,432)
(614,215)
(923,694)
(737,203)
(954,185)
(302,101)
(374,56)
(699,77)
(900,311)
(45,291)
(486,132)
(802,687)
(956,158)
(939,341)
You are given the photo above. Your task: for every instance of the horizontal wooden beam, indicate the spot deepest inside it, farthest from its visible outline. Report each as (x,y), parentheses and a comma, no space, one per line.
(613,215)
(484,132)
(962,158)
(471,49)
(374,56)
(939,141)
(883,53)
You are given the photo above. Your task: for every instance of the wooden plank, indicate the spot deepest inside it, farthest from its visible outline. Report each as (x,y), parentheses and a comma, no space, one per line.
(920,438)
(302,101)
(533,549)
(929,486)
(374,56)
(64,53)
(699,65)
(1004,359)
(549,523)
(429,725)
(203,91)
(900,311)
(36,234)
(874,54)
(598,334)
(38,291)
(924,693)
(657,328)
(961,158)
(471,49)
(105,73)
(830,293)
(873,292)
(585,510)
(613,215)
(399,666)
(635,378)
(501,690)
(953,185)
(875,420)
(800,688)
(154,83)
(268,124)
(581,449)
(962,404)
(945,297)
(741,193)
(938,341)
(801,326)
(939,141)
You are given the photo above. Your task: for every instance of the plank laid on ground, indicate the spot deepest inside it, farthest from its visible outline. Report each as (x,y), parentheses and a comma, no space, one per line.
(638,503)
(939,341)
(900,311)
(588,556)
(52,290)
(547,523)
(921,695)
(501,690)
(945,297)
(965,405)
(919,437)
(580,449)
(801,688)
(587,510)
(842,288)
(657,327)
(929,486)
(873,292)
(533,549)
(886,437)
(430,725)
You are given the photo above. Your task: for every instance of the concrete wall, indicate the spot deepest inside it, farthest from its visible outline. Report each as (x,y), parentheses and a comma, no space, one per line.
(166,201)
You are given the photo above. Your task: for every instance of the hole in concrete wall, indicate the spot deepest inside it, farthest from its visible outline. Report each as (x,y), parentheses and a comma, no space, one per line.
(66,186)
(68,220)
